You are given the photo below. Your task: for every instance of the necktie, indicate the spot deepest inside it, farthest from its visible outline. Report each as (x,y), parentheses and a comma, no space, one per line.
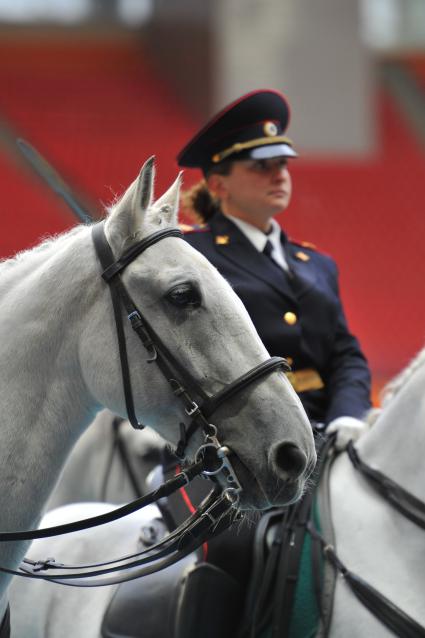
(267,251)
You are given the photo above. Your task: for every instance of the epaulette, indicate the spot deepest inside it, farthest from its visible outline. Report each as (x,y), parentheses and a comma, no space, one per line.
(195,228)
(304,244)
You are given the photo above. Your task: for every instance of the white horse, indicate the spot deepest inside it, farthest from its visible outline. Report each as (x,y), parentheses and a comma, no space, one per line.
(354,526)
(60,363)
(373,539)
(110,462)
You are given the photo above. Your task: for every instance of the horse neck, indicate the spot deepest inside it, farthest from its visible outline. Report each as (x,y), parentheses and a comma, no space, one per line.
(396,442)
(44,402)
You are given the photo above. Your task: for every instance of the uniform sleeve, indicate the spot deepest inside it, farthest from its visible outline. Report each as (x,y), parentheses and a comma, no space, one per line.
(348,377)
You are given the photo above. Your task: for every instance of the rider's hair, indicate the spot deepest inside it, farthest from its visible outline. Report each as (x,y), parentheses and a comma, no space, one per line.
(198,202)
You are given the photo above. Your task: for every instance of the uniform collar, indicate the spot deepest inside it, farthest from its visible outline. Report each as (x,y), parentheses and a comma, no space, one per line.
(256,236)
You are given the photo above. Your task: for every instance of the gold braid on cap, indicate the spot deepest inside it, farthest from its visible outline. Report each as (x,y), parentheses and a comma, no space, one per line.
(242,146)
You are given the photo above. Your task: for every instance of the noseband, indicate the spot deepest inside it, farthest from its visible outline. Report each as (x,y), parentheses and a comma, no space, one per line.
(197,403)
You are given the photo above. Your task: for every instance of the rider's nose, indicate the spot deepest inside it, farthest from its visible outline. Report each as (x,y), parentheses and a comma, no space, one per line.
(280,173)
(289,460)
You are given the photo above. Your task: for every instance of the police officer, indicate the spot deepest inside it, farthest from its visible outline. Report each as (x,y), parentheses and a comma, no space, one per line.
(289,289)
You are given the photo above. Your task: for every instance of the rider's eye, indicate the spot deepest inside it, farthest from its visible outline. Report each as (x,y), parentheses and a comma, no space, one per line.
(184,295)
(260,165)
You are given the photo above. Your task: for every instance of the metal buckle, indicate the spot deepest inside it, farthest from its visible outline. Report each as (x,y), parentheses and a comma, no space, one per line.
(192,410)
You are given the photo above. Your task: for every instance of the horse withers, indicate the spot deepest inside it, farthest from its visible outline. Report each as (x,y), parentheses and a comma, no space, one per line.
(60,362)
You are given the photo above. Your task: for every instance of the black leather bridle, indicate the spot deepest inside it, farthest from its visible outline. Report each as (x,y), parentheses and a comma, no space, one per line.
(219,508)
(182,383)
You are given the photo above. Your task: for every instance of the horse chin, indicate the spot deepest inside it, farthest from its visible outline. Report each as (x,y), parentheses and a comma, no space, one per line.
(255,496)
(258,500)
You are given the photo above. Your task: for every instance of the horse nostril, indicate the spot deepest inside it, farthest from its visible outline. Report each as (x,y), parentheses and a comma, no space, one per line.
(289,460)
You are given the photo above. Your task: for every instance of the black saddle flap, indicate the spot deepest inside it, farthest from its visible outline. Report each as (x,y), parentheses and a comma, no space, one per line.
(146,607)
(186,600)
(209,605)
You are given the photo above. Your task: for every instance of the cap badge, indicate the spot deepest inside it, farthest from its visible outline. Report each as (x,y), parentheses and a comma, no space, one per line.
(302,256)
(270,129)
(222,240)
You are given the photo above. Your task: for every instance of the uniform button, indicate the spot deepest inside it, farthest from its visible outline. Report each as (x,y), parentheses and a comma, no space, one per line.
(290,318)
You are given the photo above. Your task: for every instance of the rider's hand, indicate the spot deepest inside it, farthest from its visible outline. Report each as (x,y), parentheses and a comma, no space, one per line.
(347,429)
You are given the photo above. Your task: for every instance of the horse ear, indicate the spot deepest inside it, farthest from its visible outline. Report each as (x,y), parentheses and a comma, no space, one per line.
(126,215)
(164,211)
(143,194)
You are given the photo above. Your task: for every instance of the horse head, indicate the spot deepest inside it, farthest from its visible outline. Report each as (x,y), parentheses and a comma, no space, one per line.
(206,328)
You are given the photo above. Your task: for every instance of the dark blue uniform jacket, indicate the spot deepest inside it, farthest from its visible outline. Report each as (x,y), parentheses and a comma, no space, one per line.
(318,337)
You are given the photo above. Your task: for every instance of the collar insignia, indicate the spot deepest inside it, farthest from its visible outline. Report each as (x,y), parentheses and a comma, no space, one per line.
(302,256)
(222,240)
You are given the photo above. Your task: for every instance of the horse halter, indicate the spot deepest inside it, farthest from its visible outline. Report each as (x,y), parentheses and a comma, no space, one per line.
(182,383)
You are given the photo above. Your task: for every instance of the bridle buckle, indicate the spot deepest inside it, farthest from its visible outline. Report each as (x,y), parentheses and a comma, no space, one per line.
(194,408)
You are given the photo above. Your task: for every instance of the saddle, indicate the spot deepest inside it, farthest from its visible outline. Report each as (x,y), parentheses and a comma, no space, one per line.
(291,589)
(187,600)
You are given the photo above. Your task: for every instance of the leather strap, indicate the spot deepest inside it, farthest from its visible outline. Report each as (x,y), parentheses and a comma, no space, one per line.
(204,527)
(379,605)
(403,501)
(5,625)
(211,404)
(167,488)
(112,269)
(176,374)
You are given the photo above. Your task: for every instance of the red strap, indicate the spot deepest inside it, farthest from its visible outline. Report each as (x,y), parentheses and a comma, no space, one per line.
(192,509)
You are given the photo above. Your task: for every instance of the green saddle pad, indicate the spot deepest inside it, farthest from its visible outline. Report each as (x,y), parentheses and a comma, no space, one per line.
(305,613)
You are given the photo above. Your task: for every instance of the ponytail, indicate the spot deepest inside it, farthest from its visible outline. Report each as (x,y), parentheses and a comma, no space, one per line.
(199,203)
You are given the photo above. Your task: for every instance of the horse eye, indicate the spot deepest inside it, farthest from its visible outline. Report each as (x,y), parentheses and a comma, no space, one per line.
(184,295)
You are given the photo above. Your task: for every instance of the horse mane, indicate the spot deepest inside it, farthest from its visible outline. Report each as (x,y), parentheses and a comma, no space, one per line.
(394,386)
(30,258)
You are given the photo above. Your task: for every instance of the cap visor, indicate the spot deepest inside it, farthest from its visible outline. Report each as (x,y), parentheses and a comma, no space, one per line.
(274,150)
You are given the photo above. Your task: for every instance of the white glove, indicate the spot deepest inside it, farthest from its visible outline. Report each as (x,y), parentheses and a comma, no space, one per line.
(348,429)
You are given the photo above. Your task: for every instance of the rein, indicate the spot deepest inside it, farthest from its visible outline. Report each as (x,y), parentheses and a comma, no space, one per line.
(219,509)
(406,503)
(379,605)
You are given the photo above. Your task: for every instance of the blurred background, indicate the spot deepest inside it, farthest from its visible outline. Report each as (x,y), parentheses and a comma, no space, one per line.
(99,85)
